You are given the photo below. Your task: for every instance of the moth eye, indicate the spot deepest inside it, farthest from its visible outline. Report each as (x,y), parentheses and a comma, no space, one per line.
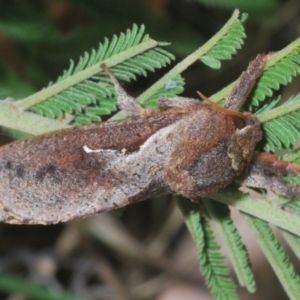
(238,122)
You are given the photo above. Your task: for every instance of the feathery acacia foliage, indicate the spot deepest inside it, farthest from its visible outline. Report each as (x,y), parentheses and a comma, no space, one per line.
(293,241)
(226,46)
(84,93)
(294,205)
(213,268)
(90,97)
(210,260)
(236,250)
(232,30)
(280,123)
(276,256)
(281,128)
(284,130)
(279,71)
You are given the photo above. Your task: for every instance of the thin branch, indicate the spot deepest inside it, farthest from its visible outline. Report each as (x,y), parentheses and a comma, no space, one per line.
(83,75)
(185,63)
(265,209)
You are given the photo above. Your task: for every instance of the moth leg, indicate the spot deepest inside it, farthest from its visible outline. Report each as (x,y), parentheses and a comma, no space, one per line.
(181,102)
(238,95)
(125,102)
(265,172)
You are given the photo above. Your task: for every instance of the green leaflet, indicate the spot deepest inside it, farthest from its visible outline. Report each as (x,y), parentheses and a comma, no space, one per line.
(283,130)
(85,86)
(276,256)
(220,214)
(281,67)
(211,261)
(90,98)
(280,124)
(226,46)
(294,205)
(221,46)
(279,71)
(211,62)
(293,241)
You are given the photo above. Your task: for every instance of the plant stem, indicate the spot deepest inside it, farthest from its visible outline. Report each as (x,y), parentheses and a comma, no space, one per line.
(82,75)
(28,122)
(278,111)
(185,63)
(189,60)
(263,117)
(268,210)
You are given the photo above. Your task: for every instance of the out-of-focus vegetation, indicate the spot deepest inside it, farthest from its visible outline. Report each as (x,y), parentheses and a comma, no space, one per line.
(146,253)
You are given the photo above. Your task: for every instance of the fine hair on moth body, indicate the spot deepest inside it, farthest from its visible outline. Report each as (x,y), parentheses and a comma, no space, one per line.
(186,146)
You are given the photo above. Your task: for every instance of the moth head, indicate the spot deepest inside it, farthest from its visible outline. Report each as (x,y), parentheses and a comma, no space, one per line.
(239,119)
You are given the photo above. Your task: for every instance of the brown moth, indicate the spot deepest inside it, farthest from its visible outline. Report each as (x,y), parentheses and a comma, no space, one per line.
(187,146)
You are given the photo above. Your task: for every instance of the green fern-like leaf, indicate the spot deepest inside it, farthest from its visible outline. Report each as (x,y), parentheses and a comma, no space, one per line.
(294,180)
(94,97)
(84,93)
(276,256)
(281,67)
(284,130)
(279,70)
(293,241)
(211,262)
(220,46)
(214,270)
(226,47)
(294,158)
(236,250)
(293,206)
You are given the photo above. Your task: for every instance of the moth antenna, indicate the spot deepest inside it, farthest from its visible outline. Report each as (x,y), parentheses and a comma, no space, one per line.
(111,75)
(125,102)
(221,108)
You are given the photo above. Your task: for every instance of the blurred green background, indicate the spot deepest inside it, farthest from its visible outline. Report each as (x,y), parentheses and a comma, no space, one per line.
(146,253)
